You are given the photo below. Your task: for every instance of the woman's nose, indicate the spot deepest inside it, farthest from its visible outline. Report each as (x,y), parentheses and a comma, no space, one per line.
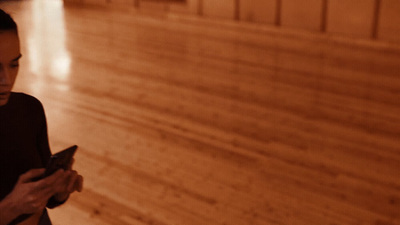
(4,75)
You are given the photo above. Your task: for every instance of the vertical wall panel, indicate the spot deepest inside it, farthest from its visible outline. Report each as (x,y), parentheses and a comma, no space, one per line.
(121,2)
(190,7)
(219,9)
(263,11)
(95,2)
(351,17)
(389,26)
(304,14)
(153,6)
(74,1)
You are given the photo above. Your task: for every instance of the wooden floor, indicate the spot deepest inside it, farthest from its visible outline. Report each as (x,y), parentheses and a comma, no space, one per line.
(188,122)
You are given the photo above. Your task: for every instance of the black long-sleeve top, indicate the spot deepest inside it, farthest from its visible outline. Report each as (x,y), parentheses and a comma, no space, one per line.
(23,144)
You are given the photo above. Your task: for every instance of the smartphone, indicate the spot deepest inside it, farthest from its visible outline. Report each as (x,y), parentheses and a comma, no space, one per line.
(60,160)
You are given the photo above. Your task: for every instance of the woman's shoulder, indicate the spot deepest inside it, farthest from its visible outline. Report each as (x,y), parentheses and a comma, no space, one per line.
(22,97)
(25,101)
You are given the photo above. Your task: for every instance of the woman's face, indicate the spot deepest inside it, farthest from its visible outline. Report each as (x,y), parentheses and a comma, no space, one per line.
(9,63)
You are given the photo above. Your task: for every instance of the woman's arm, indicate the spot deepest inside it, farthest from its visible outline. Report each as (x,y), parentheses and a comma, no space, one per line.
(7,212)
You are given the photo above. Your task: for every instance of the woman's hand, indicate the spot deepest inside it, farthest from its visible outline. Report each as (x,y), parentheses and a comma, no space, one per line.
(72,183)
(30,197)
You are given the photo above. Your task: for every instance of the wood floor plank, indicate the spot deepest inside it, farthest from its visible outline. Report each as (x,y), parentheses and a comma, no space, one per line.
(187,121)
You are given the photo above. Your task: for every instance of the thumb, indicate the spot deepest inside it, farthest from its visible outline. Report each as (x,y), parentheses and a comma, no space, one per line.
(28,176)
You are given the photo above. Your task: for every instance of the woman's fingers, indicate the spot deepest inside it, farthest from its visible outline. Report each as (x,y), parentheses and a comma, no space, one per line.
(46,187)
(31,174)
(60,183)
(75,182)
(79,184)
(72,180)
(50,180)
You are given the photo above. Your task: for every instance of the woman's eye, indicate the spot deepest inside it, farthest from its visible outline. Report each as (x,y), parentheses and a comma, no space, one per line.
(14,65)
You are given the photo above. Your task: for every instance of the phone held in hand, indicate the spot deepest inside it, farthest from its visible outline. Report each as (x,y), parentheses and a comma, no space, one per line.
(60,160)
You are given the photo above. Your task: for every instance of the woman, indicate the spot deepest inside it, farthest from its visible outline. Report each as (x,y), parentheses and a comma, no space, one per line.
(24,148)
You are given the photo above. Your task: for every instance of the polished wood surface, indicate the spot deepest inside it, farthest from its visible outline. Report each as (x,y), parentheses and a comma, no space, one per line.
(190,122)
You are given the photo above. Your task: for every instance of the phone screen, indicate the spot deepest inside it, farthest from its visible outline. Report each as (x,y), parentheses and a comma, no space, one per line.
(60,160)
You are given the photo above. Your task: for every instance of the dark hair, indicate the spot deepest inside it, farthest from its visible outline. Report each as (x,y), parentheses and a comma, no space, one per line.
(6,22)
